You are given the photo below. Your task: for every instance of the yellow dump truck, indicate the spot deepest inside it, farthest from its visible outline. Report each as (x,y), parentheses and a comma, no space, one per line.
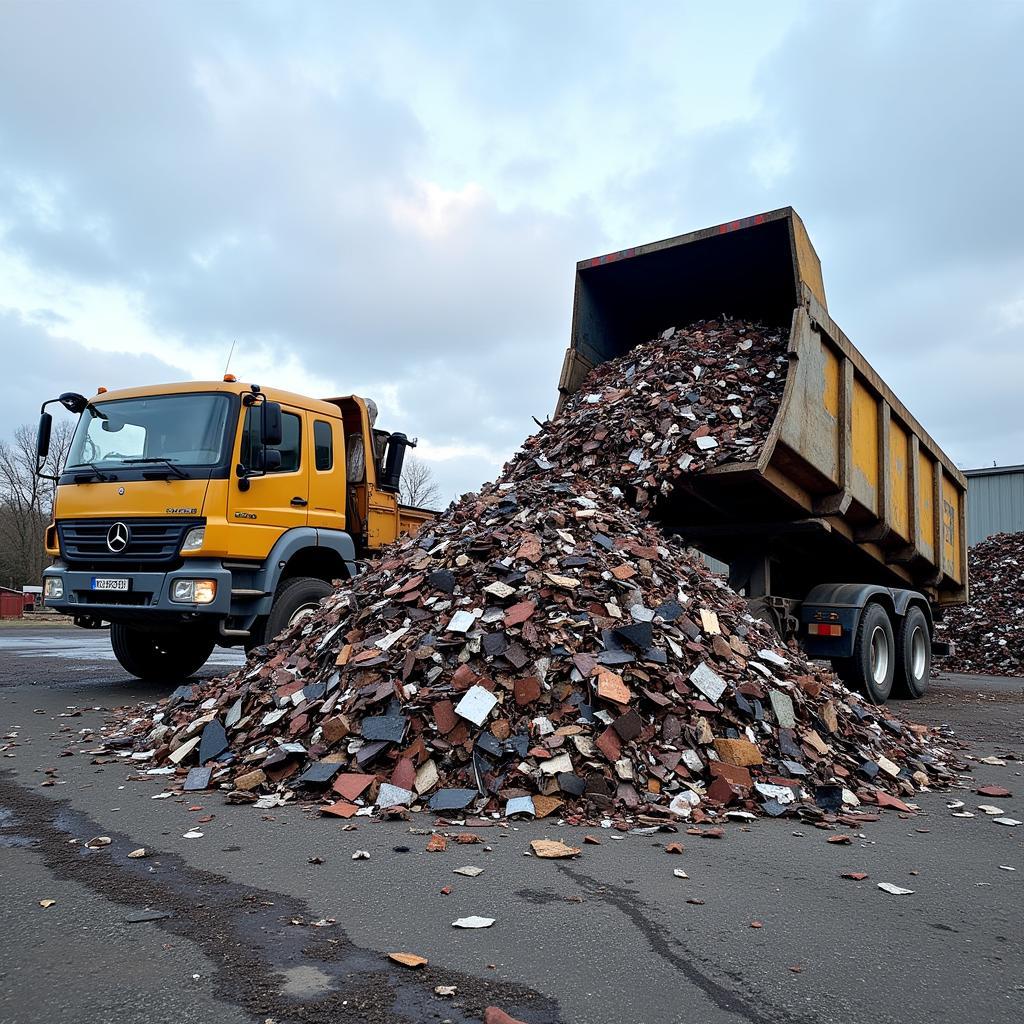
(849,530)
(214,513)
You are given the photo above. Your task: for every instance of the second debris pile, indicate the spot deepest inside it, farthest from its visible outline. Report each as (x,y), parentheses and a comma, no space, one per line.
(542,646)
(989,632)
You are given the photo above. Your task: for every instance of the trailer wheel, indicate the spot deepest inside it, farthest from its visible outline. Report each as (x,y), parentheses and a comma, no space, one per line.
(159,656)
(295,599)
(913,655)
(873,665)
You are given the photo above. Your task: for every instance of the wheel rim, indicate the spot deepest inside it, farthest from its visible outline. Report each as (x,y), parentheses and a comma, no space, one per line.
(302,612)
(879,655)
(918,653)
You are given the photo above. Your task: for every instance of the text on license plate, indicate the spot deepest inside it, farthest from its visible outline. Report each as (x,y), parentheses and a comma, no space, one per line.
(111,583)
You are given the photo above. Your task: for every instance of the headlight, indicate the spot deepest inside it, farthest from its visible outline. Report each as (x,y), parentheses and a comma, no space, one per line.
(193,539)
(53,587)
(194,591)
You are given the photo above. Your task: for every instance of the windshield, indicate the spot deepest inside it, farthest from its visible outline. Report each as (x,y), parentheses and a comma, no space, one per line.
(187,429)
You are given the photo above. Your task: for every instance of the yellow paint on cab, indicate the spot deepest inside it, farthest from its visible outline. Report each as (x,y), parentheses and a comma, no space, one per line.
(245,524)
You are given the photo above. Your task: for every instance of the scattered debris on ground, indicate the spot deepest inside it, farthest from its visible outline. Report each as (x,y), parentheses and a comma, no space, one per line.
(989,631)
(542,649)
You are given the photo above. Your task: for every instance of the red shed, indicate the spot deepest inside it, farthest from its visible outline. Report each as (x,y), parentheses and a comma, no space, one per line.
(12,603)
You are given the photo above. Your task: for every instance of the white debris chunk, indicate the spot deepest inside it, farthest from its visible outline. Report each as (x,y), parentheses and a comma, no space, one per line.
(476,705)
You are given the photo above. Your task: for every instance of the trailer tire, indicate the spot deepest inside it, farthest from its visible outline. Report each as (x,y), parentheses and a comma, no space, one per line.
(873,665)
(295,597)
(913,655)
(159,656)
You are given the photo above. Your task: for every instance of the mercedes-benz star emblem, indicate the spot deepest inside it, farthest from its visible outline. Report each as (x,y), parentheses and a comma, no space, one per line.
(117,537)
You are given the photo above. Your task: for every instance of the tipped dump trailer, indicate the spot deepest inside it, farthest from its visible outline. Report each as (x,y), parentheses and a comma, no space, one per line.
(849,530)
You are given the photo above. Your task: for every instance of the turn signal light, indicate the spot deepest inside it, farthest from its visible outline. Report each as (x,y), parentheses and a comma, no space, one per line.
(824,629)
(194,591)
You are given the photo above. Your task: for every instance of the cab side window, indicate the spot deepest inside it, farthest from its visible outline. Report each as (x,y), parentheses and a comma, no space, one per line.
(290,446)
(323,445)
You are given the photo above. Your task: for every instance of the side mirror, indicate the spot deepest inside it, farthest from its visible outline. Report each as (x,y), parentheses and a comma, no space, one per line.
(271,424)
(269,460)
(43,437)
(73,402)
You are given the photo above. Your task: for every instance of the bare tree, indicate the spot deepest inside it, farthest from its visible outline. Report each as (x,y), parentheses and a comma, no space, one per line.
(26,501)
(418,486)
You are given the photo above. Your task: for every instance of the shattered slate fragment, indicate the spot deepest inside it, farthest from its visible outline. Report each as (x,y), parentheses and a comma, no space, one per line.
(452,799)
(142,916)
(197,779)
(213,743)
(385,728)
(319,773)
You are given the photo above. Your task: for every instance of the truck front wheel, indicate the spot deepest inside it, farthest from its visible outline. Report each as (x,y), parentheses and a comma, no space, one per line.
(913,654)
(873,665)
(295,599)
(159,656)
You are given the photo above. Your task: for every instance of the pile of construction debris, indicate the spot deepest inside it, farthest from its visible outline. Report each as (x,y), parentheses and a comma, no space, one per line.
(988,633)
(542,647)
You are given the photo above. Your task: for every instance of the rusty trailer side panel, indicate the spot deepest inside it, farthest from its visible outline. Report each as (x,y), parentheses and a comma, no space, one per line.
(848,485)
(844,447)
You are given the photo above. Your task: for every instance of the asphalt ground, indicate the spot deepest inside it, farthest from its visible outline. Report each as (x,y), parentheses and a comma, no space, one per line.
(255,932)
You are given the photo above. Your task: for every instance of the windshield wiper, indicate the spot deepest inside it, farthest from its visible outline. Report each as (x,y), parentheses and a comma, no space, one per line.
(95,471)
(169,463)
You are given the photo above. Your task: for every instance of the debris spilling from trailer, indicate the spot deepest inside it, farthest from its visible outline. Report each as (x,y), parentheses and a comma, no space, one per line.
(542,649)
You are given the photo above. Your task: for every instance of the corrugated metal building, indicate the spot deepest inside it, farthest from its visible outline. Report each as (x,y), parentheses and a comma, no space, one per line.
(995,501)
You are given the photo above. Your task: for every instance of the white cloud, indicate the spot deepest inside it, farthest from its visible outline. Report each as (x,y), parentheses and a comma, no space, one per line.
(392,203)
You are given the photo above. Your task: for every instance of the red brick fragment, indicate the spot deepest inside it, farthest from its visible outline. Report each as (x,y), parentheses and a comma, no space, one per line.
(996,791)
(883,799)
(492,1015)
(519,613)
(526,690)
(734,773)
(444,716)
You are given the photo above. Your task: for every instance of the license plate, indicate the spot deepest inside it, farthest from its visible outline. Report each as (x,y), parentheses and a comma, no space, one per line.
(111,583)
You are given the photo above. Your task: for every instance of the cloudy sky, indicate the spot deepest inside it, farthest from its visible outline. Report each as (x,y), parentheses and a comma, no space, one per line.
(390,199)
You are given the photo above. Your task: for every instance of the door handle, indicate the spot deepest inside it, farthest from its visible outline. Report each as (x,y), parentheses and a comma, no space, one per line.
(300,502)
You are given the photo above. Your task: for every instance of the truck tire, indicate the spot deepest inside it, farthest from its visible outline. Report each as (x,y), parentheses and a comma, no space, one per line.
(913,655)
(873,665)
(159,656)
(295,598)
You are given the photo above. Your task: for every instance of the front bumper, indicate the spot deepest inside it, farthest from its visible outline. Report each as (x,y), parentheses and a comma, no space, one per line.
(149,595)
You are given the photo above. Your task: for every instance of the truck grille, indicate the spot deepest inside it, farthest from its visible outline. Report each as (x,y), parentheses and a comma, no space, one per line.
(111,597)
(152,543)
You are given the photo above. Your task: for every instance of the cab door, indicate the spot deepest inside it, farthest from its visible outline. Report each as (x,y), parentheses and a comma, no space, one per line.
(276,500)
(326,472)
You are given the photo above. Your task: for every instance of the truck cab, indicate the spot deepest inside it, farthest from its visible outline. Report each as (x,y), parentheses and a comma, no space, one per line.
(214,513)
